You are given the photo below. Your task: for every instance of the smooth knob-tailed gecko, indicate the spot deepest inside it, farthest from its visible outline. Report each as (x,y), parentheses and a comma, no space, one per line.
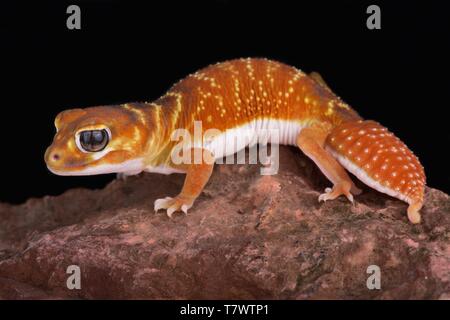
(236,97)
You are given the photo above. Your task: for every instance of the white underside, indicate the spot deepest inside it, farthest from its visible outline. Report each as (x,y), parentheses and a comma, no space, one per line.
(231,141)
(362,175)
(259,131)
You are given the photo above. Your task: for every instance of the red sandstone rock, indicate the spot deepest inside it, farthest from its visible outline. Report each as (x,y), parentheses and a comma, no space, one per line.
(248,236)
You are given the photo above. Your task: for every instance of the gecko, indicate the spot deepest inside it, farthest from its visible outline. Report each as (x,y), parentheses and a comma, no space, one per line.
(236,97)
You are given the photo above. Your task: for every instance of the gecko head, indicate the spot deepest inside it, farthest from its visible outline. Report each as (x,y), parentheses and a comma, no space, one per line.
(96,140)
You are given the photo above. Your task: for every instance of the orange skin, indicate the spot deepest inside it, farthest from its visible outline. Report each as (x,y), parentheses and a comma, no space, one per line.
(70,121)
(226,96)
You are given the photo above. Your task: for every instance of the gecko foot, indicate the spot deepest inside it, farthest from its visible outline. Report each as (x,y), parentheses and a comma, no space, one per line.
(338,190)
(173,204)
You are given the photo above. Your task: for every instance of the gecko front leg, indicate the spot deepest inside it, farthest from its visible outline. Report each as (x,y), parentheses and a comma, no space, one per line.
(311,141)
(197,175)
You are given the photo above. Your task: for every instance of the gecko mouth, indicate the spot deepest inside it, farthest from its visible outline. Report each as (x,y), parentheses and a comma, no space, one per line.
(126,166)
(64,171)
(58,164)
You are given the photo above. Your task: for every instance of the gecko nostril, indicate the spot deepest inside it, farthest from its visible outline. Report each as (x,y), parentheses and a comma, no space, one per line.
(55,157)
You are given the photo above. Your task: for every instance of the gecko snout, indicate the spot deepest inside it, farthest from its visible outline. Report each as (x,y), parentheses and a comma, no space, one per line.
(55,157)
(52,157)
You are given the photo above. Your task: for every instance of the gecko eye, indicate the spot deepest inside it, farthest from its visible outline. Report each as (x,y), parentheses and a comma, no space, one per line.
(93,140)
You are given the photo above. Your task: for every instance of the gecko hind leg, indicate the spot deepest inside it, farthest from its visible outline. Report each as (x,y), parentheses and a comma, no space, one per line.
(311,141)
(318,78)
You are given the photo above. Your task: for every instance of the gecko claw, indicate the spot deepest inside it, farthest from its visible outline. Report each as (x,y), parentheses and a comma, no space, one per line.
(170,211)
(185,208)
(350,198)
(173,205)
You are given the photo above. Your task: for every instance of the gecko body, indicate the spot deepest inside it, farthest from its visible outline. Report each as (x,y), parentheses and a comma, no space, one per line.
(238,99)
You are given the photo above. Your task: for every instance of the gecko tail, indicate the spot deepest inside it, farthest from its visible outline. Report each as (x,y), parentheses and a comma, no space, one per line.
(379,159)
(413,212)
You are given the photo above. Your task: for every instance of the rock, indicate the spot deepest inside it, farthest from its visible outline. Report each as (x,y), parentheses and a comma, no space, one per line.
(248,236)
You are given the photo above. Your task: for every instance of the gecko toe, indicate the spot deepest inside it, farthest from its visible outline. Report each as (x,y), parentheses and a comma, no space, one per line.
(162,203)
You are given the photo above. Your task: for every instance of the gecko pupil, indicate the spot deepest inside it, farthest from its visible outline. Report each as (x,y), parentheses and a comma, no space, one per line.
(94,140)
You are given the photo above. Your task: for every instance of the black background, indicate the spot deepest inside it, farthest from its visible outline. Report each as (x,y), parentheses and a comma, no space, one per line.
(134,51)
(284,309)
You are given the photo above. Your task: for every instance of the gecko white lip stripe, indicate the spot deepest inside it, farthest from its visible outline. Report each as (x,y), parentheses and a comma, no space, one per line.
(126,166)
(364,177)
